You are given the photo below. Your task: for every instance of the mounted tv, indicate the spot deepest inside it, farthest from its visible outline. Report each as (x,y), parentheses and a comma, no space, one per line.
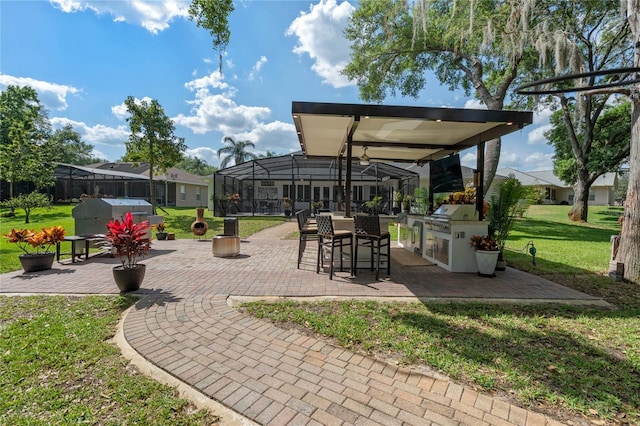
(446,174)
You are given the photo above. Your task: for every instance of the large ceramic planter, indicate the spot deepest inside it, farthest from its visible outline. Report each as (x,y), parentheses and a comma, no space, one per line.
(487,262)
(161,235)
(35,262)
(129,279)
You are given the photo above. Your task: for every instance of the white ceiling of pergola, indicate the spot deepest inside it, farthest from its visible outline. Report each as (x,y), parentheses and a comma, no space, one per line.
(397,133)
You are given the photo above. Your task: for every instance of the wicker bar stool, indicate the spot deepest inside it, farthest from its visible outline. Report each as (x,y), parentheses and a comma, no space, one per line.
(308,232)
(368,230)
(330,239)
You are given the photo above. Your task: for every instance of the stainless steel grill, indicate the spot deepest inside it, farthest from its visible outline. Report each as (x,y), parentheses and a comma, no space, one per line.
(440,220)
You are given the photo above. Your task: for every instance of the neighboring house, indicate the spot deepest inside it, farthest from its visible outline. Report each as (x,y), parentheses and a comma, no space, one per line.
(601,193)
(124,180)
(173,188)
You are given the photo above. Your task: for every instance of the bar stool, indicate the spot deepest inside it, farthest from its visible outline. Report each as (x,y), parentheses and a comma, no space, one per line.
(307,231)
(368,229)
(330,239)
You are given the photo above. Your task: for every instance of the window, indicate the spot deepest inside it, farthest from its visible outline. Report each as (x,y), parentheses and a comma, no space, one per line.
(358,191)
(197,193)
(183,193)
(303,193)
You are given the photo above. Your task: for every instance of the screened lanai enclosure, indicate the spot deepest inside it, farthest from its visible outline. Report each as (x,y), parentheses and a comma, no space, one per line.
(260,186)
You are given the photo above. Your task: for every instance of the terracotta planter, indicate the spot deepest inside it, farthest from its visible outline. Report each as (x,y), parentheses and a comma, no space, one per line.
(35,262)
(487,262)
(129,279)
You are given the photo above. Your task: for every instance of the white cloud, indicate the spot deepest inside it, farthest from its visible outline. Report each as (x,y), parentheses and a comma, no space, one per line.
(110,139)
(53,96)
(214,80)
(218,111)
(95,135)
(257,67)
(120,111)
(536,136)
(539,161)
(153,15)
(469,158)
(320,35)
(275,136)
(205,153)
(474,104)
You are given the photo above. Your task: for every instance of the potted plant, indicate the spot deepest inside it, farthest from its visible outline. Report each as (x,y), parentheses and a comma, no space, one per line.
(160,231)
(41,243)
(129,242)
(286,203)
(373,205)
(315,205)
(406,203)
(487,251)
(397,201)
(511,200)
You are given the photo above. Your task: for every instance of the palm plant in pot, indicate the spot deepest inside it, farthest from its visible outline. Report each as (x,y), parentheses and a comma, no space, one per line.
(509,203)
(41,257)
(129,241)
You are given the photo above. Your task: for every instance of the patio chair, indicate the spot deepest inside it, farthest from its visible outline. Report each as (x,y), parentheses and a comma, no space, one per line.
(329,239)
(307,231)
(368,230)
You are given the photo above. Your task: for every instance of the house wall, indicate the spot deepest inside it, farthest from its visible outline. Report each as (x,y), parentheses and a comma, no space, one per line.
(598,196)
(190,195)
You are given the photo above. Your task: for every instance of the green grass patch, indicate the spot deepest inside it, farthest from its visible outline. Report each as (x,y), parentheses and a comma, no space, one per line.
(178,220)
(583,361)
(59,367)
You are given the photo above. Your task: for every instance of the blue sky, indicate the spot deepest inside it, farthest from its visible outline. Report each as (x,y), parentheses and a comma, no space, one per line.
(85,57)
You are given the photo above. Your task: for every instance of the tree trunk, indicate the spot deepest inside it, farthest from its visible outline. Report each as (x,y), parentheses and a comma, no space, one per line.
(491,159)
(629,251)
(580,209)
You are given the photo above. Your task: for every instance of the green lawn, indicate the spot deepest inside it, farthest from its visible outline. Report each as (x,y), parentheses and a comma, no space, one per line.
(58,367)
(178,220)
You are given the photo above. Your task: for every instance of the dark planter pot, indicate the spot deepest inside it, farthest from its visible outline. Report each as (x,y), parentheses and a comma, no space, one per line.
(129,279)
(161,235)
(35,262)
(287,213)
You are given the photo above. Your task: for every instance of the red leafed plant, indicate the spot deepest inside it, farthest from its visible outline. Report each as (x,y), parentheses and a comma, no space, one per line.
(128,239)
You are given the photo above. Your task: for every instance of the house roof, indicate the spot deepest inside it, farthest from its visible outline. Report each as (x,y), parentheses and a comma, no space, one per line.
(548,178)
(172,174)
(397,133)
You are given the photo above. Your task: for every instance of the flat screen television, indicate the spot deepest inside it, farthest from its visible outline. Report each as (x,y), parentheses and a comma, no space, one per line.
(446,174)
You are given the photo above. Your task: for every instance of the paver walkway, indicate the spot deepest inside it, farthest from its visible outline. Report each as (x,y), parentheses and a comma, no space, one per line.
(185,325)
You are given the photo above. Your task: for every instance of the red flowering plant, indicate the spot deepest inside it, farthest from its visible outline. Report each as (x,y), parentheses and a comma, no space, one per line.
(484,242)
(41,242)
(129,240)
